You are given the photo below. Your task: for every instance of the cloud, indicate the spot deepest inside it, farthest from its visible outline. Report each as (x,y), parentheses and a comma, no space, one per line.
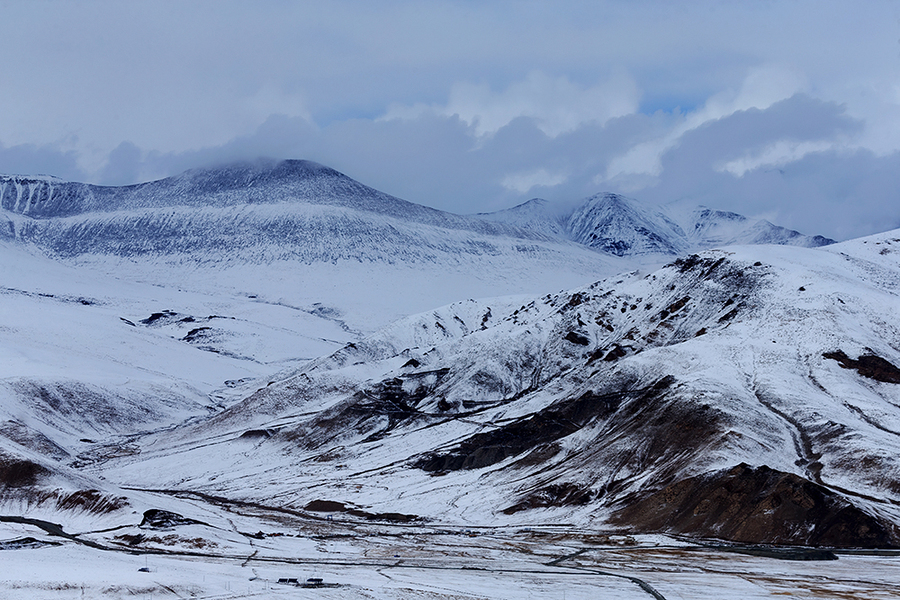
(51,159)
(524,181)
(760,89)
(123,165)
(776,154)
(794,162)
(556,104)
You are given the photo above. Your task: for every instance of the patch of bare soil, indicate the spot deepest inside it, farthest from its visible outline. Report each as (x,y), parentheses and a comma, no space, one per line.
(867,365)
(758,505)
(332,506)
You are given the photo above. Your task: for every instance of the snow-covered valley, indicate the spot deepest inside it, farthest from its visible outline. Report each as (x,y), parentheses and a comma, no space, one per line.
(275,372)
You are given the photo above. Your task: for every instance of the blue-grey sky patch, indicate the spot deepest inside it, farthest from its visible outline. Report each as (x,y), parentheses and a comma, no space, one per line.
(474,106)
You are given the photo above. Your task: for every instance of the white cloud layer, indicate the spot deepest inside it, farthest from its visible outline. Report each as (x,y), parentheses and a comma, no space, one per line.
(760,89)
(776,154)
(556,104)
(526,181)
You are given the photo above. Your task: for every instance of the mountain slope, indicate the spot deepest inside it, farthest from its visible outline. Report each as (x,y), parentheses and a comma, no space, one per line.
(289,233)
(729,394)
(622,226)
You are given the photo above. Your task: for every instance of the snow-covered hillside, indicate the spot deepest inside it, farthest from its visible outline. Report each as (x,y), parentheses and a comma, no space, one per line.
(232,334)
(751,393)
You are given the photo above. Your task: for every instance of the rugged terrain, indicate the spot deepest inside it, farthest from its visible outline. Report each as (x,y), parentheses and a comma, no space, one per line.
(732,394)
(183,370)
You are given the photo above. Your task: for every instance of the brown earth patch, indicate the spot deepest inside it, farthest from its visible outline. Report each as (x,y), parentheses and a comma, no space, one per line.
(564,494)
(92,501)
(758,505)
(867,365)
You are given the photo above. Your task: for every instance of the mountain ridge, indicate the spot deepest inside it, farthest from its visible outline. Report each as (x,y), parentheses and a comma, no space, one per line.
(729,369)
(609,222)
(623,226)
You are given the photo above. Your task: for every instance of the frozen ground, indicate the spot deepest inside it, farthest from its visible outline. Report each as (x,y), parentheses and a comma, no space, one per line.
(354,560)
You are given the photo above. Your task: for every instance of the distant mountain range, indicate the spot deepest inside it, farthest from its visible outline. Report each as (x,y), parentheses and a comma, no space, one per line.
(279,230)
(271,202)
(623,226)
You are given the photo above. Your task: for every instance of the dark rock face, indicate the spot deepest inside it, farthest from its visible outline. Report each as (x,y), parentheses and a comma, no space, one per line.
(577,338)
(16,473)
(162,519)
(563,494)
(868,365)
(257,434)
(758,505)
(537,431)
(330,506)
(373,412)
(325,506)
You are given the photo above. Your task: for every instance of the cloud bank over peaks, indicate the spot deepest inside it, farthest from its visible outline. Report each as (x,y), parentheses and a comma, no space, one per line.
(524,181)
(756,149)
(556,104)
(761,88)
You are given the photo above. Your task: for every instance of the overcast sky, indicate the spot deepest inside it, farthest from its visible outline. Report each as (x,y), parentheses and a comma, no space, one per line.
(784,109)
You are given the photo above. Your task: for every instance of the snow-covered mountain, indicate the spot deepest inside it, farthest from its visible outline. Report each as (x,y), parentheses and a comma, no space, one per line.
(623,226)
(289,233)
(308,212)
(751,394)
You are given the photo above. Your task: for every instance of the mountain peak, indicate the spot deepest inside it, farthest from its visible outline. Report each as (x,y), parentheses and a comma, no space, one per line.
(620,225)
(623,226)
(262,169)
(262,181)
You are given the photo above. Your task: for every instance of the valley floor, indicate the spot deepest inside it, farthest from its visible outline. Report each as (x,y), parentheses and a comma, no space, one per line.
(356,559)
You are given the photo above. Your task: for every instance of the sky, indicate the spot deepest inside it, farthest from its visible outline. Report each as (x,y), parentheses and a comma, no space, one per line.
(787,110)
